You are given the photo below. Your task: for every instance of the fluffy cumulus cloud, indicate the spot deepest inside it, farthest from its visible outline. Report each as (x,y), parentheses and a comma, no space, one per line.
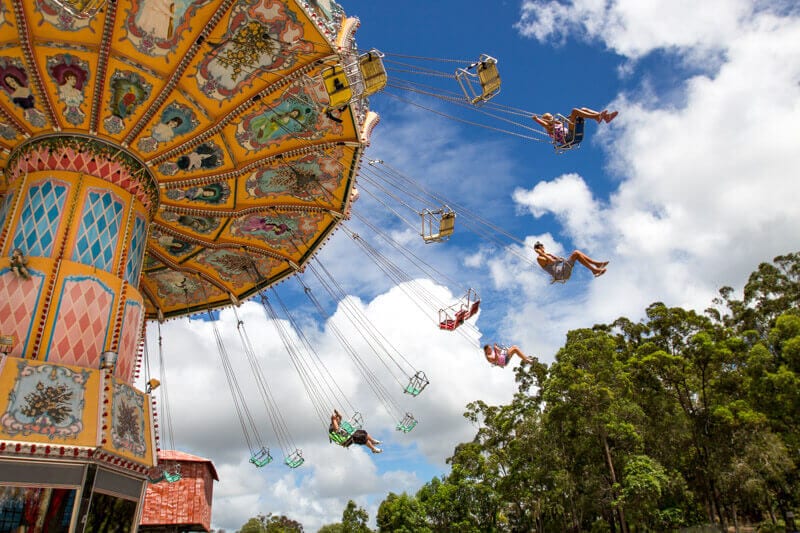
(634,29)
(205,421)
(707,188)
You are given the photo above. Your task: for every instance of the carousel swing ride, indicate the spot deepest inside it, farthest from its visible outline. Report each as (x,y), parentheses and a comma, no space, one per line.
(166,159)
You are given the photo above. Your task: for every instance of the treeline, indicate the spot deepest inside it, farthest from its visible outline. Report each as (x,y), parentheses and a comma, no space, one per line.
(677,420)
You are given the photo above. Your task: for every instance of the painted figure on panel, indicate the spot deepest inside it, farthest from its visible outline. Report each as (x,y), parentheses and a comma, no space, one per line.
(176,119)
(14,81)
(211,193)
(70,75)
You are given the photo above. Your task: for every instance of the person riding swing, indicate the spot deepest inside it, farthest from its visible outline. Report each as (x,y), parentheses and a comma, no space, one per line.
(338,435)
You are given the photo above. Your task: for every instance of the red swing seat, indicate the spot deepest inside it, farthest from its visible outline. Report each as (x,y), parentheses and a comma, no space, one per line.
(449,320)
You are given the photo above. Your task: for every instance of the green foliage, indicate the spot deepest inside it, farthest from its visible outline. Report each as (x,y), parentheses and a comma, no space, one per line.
(271,524)
(679,420)
(354,519)
(401,514)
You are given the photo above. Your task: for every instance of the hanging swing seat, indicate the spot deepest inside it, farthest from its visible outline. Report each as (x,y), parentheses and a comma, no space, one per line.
(346,429)
(407,423)
(294,459)
(339,437)
(355,79)
(170,475)
(174,475)
(574,134)
(416,384)
(372,71)
(350,426)
(485,77)
(455,315)
(261,458)
(337,86)
(444,220)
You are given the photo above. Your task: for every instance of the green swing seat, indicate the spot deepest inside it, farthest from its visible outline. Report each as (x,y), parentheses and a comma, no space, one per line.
(261,458)
(407,423)
(172,477)
(339,437)
(416,384)
(295,459)
(346,429)
(166,474)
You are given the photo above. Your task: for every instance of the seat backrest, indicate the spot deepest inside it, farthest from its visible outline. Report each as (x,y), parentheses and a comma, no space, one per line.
(489,78)
(447,224)
(372,71)
(337,86)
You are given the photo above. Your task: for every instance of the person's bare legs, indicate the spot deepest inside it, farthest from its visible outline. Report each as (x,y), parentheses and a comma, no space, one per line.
(514,350)
(597,267)
(585,112)
(371,444)
(599,116)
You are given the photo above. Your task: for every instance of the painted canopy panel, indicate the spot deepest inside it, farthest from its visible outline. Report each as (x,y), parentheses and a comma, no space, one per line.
(224,103)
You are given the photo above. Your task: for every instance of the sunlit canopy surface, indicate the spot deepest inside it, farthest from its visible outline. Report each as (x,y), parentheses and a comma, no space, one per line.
(223,102)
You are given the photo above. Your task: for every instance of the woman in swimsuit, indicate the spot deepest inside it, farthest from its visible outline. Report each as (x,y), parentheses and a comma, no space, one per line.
(561,269)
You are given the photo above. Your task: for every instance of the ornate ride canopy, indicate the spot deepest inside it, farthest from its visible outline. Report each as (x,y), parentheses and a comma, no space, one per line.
(214,111)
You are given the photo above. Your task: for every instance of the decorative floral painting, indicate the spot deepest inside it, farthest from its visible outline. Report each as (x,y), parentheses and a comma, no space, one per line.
(128,420)
(46,400)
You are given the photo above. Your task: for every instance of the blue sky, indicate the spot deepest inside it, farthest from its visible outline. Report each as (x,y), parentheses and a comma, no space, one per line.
(692,186)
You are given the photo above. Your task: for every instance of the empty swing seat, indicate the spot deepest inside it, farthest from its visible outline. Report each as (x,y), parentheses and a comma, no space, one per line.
(372,71)
(261,458)
(445,219)
(466,308)
(294,459)
(337,86)
(407,423)
(416,384)
(487,77)
(174,475)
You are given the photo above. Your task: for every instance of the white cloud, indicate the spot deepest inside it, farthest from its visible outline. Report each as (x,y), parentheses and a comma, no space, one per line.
(206,424)
(633,29)
(570,200)
(707,189)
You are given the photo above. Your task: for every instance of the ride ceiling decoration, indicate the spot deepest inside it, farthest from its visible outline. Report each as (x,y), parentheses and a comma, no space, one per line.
(214,114)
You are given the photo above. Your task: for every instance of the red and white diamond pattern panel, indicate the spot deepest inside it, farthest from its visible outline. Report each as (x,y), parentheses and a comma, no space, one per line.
(129,340)
(83,319)
(18,299)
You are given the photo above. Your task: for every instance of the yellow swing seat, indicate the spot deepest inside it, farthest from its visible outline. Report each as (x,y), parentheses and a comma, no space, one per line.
(337,86)
(486,76)
(443,219)
(372,71)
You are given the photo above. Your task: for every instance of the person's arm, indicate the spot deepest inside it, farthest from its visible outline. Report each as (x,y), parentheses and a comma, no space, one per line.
(539,121)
